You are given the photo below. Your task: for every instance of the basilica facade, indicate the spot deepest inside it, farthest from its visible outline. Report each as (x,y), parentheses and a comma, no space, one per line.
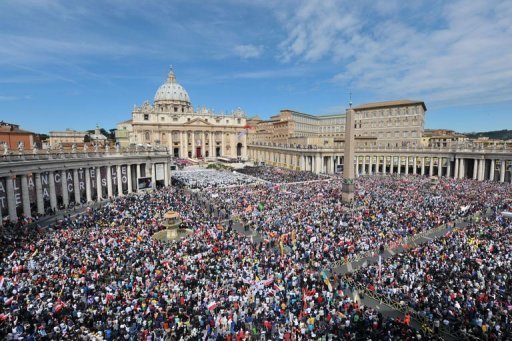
(172,122)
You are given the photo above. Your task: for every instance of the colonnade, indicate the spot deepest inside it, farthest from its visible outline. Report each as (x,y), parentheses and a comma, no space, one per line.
(478,166)
(39,190)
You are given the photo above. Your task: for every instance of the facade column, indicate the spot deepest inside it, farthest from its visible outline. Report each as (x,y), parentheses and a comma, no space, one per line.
(384,164)
(119,181)
(203,145)
(109,181)
(392,165)
(448,167)
(39,194)
(423,165)
(399,170)
(11,199)
(502,171)
(222,144)
(99,192)
(64,187)
(370,165)
(364,165)
(439,166)
(244,146)
(456,175)
(182,145)
(88,193)
(76,187)
(431,166)
(476,164)
(53,195)
(491,172)
(211,145)
(407,165)
(185,144)
(302,162)
(129,175)
(414,165)
(25,196)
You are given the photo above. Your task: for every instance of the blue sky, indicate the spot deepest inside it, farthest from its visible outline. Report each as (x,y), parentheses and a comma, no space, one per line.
(74,64)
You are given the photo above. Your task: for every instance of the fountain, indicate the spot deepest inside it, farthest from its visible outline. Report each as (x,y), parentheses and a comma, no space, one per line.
(173,230)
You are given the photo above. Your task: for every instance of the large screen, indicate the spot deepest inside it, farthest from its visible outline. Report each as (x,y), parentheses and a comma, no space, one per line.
(144,183)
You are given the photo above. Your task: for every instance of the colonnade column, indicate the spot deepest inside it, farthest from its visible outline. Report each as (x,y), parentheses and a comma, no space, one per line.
(53,197)
(76,186)
(166,173)
(431,167)
(302,162)
(448,167)
(370,165)
(64,187)
(11,200)
(456,175)
(24,195)
(153,175)
(392,165)
(109,181)
(502,171)
(407,165)
(98,184)
(399,170)
(129,175)
(462,168)
(414,165)
(88,193)
(439,166)
(119,181)
(39,194)
(364,165)
(384,165)
(491,172)
(422,165)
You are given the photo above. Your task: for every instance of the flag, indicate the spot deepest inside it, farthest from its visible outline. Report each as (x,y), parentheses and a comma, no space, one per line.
(326,280)
(211,306)
(100,260)
(241,134)
(2,280)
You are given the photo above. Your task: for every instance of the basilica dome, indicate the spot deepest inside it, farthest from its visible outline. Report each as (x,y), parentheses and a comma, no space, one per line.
(171,90)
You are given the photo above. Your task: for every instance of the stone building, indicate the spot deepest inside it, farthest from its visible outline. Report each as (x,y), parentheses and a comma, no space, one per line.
(392,124)
(12,138)
(172,122)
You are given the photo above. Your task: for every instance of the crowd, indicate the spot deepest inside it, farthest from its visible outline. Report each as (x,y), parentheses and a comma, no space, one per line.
(100,275)
(279,175)
(461,281)
(205,178)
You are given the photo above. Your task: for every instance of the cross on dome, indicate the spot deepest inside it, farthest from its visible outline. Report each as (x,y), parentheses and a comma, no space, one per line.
(171,78)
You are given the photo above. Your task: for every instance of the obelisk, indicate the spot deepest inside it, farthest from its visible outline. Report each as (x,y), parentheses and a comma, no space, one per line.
(347,192)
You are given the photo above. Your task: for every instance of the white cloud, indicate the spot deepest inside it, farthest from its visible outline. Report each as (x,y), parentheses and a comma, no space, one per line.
(248,51)
(457,53)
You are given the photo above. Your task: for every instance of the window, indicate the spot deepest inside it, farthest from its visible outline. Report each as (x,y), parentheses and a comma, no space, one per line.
(146,135)
(162,118)
(175,119)
(146,117)
(239,121)
(175,109)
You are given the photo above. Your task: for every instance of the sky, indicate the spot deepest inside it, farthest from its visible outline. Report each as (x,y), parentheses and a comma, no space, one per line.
(74,64)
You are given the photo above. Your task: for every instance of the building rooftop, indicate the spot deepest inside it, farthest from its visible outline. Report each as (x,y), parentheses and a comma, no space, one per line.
(400,102)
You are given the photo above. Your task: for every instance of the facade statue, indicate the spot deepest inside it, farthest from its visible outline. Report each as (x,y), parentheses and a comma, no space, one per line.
(85,147)
(21,147)
(73,148)
(118,147)
(107,148)
(96,147)
(6,148)
(34,148)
